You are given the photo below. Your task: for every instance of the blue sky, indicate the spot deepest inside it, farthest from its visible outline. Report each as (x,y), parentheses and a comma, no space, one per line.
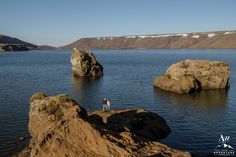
(59,22)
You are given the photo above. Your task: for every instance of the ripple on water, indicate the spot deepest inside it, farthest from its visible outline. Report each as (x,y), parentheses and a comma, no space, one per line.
(196,120)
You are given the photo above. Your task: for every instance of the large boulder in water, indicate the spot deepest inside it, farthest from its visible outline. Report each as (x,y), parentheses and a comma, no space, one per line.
(191,75)
(84,63)
(60,127)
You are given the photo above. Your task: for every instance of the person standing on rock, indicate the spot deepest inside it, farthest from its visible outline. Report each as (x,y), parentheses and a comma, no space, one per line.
(104,104)
(108,105)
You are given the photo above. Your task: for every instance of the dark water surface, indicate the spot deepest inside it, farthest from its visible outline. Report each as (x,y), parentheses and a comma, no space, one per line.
(196,120)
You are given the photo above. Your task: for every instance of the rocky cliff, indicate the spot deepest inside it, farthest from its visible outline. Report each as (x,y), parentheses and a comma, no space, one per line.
(220,39)
(60,127)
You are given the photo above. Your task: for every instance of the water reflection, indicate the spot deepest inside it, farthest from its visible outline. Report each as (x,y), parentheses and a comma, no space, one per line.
(205,98)
(86,91)
(193,115)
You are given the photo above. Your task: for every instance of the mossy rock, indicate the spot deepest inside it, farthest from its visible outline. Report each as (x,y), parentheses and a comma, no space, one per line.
(37,96)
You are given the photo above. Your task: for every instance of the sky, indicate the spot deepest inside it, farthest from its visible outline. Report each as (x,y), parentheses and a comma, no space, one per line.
(59,22)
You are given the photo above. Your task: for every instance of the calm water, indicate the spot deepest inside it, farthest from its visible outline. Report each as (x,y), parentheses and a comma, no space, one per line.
(196,120)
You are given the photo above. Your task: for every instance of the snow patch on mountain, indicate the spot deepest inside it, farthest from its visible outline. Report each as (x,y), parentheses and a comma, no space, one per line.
(229,33)
(160,36)
(211,35)
(131,36)
(196,36)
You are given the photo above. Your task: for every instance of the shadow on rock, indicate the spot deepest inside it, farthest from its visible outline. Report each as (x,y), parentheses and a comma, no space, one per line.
(144,124)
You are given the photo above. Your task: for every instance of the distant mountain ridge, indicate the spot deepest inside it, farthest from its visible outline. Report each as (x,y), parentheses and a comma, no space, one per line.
(217,39)
(11,40)
(198,40)
(14,41)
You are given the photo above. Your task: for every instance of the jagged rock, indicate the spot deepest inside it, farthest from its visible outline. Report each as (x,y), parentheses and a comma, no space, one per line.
(60,127)
(191,75)
(84,63)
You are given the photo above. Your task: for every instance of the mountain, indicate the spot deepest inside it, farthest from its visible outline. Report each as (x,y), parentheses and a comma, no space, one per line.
(219,39)
(11,41)
(45,47)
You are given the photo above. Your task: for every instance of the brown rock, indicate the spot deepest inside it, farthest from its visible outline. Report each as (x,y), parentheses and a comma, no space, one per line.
(60,127)
(191,75)
(184,84)
(84,63)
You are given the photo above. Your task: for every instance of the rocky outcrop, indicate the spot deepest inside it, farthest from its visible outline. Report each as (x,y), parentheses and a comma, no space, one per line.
(13,47)
(191,75)
(60,127)
(84,63)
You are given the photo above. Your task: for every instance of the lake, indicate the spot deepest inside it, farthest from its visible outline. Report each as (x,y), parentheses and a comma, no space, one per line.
(197,120)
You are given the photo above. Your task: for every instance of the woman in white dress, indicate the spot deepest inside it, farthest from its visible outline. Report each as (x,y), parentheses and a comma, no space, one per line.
(108,105)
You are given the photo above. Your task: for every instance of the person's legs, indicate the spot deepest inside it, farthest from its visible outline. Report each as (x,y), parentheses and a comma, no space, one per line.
(108,107)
